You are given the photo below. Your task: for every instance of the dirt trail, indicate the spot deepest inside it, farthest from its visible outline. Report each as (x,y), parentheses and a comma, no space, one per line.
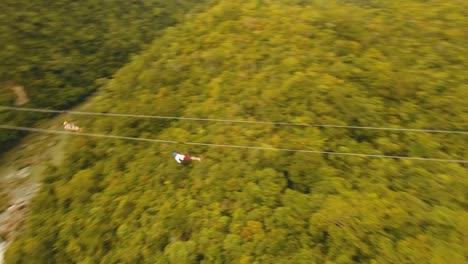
(21,97)
(21,171)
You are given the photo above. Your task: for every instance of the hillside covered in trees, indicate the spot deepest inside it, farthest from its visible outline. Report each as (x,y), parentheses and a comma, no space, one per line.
(60,51)
(399,63)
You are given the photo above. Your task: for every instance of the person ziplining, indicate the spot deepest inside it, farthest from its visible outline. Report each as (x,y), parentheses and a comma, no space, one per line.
(184,158)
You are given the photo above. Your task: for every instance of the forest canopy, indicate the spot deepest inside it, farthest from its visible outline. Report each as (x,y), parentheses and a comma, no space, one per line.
(399,63)
(61,51)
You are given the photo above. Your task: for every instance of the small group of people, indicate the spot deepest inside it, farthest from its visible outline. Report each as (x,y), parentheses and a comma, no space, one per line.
(70,126)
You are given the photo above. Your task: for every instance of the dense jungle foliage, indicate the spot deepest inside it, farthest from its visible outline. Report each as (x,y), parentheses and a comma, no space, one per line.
(400,63)
(60,51)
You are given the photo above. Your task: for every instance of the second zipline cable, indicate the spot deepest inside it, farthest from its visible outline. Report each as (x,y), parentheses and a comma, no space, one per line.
(235,121)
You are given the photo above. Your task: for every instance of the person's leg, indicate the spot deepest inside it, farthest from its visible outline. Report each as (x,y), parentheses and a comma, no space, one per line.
(195,158)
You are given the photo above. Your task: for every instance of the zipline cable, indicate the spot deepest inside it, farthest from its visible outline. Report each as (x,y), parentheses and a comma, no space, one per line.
(228,146)
(233,120)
